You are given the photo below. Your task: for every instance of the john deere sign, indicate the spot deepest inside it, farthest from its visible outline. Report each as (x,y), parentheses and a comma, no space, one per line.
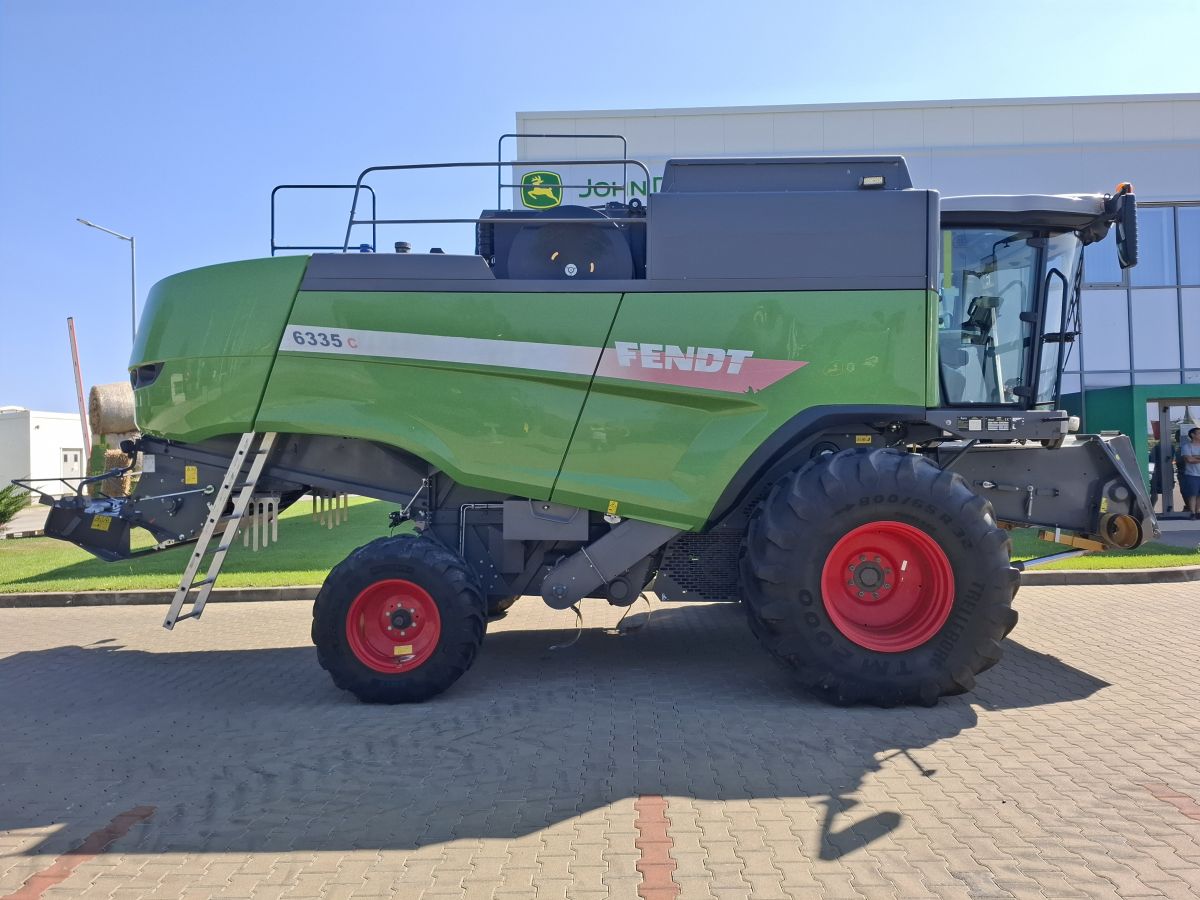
(541,190)
(586,185)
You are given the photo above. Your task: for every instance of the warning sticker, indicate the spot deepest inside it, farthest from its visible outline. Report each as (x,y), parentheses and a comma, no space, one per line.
(612,507)
(862,439)
(101,523)
(191,475)
(402,650)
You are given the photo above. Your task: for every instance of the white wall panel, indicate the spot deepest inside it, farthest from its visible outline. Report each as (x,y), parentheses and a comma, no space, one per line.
(1047,124)
(1185,120)
(899,129)
(996,126)
(749,135)
(799,132)
(697,136)
(651,135)
(948,126)
(1148,121)
(14,446)
(1098,123)
(852,131)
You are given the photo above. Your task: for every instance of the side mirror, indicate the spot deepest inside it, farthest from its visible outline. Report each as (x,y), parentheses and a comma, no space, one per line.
(1127,236)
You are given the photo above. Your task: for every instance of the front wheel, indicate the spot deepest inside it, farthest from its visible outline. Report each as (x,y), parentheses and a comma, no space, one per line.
(398,621)
(878,577)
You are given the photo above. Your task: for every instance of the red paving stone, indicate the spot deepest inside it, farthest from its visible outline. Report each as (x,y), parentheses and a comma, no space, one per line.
(93,845)
(654,849)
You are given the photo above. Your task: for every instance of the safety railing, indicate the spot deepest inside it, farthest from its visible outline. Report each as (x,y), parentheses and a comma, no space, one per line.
(499,165)
(318,187)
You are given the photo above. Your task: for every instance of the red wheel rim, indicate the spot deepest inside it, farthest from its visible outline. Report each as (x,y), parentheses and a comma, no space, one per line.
(888,586)
(393,626)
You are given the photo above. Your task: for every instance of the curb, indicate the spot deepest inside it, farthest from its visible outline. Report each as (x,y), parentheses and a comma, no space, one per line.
(1180,575)
(151,598)
(13,535)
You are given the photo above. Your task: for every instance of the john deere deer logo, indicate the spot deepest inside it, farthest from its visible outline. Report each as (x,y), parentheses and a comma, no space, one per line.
(541,190)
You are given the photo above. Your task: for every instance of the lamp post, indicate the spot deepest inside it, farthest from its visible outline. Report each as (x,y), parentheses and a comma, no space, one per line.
(132,271)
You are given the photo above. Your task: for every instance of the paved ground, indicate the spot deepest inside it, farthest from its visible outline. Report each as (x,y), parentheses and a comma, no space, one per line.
(241,771)
(1180,533)
(31,518)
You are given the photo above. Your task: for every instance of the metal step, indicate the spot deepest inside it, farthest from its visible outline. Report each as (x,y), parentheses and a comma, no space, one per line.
(255,449)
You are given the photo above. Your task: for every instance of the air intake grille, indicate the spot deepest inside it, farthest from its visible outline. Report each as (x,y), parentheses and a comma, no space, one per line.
(705,565)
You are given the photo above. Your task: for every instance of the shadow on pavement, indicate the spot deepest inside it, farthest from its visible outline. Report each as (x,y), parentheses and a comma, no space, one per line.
(255,750)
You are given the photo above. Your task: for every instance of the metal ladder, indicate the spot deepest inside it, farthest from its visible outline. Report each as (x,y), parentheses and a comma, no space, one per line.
(232,482)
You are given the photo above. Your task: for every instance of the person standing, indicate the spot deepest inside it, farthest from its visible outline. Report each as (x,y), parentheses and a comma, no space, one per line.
(1189,450)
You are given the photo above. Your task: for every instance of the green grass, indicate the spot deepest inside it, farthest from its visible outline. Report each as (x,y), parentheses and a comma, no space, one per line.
(1148,556)
(306,552)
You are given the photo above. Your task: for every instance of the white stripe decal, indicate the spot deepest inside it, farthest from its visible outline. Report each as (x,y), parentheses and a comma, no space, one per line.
(642,363)
(565,358)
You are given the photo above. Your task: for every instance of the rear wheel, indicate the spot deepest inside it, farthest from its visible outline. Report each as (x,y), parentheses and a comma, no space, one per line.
(398,621)
(878,577)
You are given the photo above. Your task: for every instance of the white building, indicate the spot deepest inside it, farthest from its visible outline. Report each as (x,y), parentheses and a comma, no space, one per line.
(40,445)
(1141,326)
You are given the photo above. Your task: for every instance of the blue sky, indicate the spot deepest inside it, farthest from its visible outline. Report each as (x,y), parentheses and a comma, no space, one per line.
(173,120)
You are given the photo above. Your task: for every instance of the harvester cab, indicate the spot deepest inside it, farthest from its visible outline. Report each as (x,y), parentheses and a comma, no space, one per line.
(1011,269)
(800,384)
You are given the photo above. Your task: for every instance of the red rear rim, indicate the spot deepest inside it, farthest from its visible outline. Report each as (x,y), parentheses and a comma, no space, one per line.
(393,626)
(888,586)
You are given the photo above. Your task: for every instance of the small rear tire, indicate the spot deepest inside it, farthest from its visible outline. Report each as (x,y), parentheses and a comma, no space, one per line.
(398,621)
(878,577)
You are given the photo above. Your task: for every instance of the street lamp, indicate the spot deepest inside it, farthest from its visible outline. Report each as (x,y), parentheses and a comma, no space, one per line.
(132,270)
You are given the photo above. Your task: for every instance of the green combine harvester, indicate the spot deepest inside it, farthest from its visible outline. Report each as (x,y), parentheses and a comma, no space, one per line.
(799,384)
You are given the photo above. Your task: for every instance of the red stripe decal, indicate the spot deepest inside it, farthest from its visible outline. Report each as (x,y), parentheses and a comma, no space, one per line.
(752,374)
(93,845)
(654,845)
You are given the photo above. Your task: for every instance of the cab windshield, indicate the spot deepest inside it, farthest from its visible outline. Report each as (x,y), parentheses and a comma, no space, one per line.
(996,285)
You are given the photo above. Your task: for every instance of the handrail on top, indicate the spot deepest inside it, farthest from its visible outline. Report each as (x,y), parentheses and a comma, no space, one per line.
(345,187)
(498,164)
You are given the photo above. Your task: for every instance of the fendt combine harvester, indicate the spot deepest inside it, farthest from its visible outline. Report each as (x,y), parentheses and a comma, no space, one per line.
(801,384)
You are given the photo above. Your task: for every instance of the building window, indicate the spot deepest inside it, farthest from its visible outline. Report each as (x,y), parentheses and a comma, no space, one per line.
(1094,380)
(1156,247)
(1189,245)
(1155,329)
(1105,331)
(1191,326)
(1100,266)
(1171,377)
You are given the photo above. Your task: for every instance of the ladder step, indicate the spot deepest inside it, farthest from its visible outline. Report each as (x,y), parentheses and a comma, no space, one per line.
(236,481)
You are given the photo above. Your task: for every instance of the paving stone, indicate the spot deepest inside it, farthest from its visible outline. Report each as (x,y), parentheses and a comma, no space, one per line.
(1069,771)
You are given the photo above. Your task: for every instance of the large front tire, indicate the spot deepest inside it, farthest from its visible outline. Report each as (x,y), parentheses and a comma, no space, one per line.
(398,621)
(878,577)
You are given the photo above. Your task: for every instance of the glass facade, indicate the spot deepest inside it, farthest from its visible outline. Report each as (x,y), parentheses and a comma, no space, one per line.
(1142,326)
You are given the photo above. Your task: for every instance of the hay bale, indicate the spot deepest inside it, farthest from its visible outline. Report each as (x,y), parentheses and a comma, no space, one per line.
(116,487)
(110,408)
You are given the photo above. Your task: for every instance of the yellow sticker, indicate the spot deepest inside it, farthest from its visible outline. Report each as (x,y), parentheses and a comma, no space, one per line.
(612,507)
(191,475)
(862,439)
(402,650)
(101,523)
(1103,504)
